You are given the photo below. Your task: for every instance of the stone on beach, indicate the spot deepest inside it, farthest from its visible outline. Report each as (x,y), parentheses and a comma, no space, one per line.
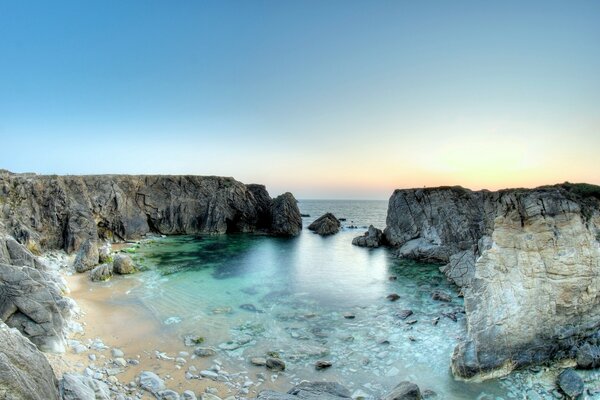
(123,264)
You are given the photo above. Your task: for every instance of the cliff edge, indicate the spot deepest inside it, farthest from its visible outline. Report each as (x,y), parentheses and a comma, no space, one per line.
(528,262)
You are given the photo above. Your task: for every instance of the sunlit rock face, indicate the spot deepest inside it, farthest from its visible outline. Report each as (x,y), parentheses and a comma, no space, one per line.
(528,262)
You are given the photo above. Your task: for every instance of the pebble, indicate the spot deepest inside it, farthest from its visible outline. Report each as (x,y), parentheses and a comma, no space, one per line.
(116,353)
(209,374)
(393,297)
(275,364)
(120,362)
(258,361)
(323,364)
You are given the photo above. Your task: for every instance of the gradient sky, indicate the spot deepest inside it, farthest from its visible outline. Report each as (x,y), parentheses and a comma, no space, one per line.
(327,99)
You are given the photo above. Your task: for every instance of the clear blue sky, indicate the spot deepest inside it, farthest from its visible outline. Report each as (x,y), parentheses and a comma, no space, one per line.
(322,98)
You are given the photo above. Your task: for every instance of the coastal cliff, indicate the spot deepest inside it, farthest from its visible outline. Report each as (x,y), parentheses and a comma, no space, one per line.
(528,262)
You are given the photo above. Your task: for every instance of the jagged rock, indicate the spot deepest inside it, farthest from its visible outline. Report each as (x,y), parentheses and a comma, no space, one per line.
(79,387)
(87,256)
(570,383)
(326,224)
(24,371)
(101,273)
(31,301)
(309,391)
(104,253)
(123,264)
(372,238)
(404,391)
(285,214)
(521,255)
(14,253)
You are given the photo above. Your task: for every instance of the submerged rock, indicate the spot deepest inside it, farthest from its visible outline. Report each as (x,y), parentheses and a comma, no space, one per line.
(309,391)
(275,364)
(24,371)
(123,264)
(327,224)
(323,364)
(404,391)
(570,383)
(372,238)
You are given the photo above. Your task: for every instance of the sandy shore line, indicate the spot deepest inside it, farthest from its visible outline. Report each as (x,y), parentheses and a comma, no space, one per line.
(112,319)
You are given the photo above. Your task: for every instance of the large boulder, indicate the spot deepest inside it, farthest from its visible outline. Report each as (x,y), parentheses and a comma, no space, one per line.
(372,238)
(309,391)
(31,301)
(101,273)
(79,387)
(25,373)
(123,264)
(570,383)
(326,224)
(285,214)
(87,256)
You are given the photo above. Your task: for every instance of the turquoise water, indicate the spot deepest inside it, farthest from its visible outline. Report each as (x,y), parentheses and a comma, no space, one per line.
(249,295)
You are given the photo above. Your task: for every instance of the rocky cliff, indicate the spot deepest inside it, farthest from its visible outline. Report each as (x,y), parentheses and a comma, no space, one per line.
(528,262)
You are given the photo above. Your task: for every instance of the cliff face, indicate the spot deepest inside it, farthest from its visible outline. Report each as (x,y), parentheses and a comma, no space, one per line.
(528,262)
(74,212)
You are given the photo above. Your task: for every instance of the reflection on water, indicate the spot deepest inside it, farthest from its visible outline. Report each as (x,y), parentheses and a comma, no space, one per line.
(307,299)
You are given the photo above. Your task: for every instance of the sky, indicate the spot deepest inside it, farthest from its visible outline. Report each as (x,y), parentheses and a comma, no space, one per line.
(326,99)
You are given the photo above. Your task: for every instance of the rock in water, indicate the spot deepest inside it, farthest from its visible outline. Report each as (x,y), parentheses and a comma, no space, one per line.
(404,391)
(309,391)
(372,238)
(79,387)
(24,371)
(326,224)
(101,273)
(530,245)
(323,364)
(285,214)
(570,383)
(275,364)
(123,264)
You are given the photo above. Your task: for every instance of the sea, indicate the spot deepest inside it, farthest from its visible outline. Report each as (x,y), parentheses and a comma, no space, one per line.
(313,298)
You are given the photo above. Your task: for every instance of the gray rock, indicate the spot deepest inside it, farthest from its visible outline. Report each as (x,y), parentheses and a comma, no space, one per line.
(123,264)
(79,387)
(168,395)
(570,383)
(188,395)
(323,364)
(205,351)
(275,364)
(404,391)
(101,273)
(309,391)
(373,237)
(588,356)
(104,253)
(31,302)
(258,361)
(327,224)
(24,371)
(285,216)
(151,382)
(87,256)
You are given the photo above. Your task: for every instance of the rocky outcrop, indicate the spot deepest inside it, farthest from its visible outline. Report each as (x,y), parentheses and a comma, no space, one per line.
(63,212)
(326,224)
(520,256)
(25,374)
(285,216)
(372,238)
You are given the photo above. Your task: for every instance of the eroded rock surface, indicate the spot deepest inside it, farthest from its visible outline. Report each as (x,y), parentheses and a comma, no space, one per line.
(309,391)
(373,237)
(24,371)
(520,256)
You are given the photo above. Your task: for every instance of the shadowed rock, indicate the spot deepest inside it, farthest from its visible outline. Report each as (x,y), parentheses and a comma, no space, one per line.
(327,224)
(309,391)
(404,391)
(372,238)
(285,214)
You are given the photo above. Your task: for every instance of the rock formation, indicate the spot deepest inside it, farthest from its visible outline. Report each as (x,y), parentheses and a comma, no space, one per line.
(372,238)
(285,216)
(309,391)
(24,371)
(326,224)
(520,256)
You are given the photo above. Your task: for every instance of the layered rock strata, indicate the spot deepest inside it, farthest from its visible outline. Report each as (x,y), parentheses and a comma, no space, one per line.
(528,262)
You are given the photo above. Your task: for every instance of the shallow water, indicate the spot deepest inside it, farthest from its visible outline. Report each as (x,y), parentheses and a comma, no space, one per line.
(249,295)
